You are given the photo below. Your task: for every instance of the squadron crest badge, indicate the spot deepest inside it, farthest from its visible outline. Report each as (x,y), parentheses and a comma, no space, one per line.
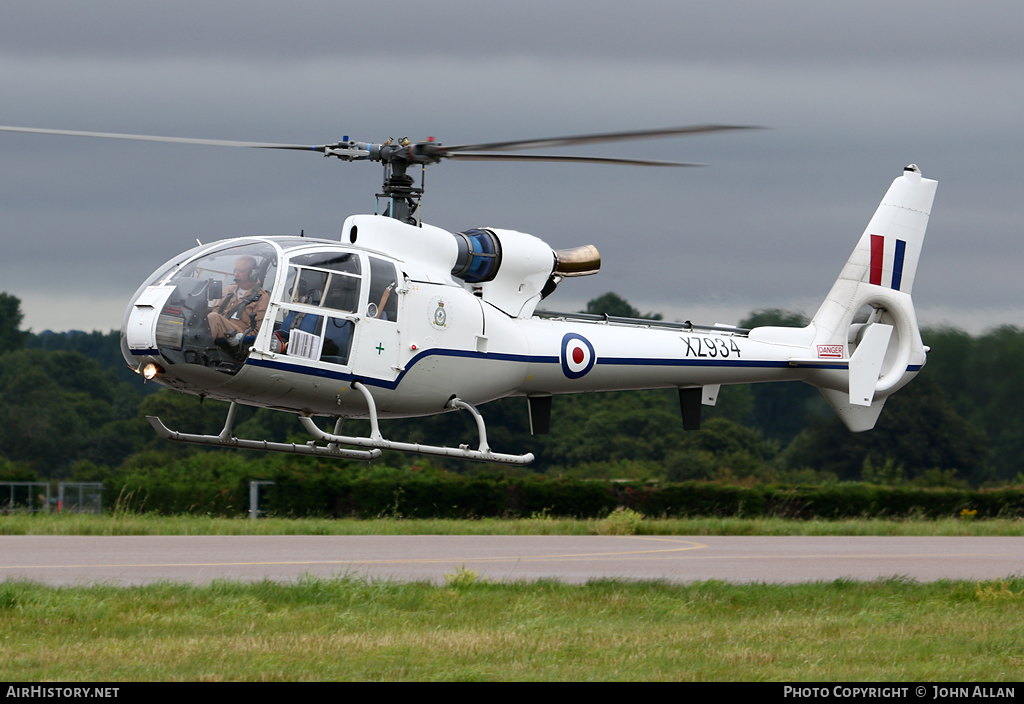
(438,313)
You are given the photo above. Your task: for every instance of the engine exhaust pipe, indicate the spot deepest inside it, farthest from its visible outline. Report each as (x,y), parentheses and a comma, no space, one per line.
(578,261)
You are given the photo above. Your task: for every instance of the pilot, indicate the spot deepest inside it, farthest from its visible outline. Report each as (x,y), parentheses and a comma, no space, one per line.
(240,312)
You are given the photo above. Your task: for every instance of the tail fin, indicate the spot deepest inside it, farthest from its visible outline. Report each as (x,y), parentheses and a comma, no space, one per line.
(880,274)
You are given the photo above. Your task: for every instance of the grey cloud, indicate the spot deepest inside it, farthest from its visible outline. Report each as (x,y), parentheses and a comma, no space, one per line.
(725,30)
(769,223)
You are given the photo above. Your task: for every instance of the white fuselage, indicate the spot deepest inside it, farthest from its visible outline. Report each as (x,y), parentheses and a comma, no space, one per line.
(449,340)
(421,316)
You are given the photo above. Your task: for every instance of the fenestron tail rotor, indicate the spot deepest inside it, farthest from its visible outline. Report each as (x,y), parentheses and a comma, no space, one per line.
(399,187)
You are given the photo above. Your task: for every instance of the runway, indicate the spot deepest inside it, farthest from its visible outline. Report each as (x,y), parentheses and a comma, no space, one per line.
(62,560)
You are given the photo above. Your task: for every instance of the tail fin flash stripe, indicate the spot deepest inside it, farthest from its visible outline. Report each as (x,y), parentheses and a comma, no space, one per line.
(878,261)
(877,254)
(897,264)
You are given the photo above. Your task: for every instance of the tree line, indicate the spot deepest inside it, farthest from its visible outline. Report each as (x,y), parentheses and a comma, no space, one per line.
(70,408)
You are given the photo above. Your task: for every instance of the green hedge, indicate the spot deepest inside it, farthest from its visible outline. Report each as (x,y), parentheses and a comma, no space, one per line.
(204,486)
(455,497)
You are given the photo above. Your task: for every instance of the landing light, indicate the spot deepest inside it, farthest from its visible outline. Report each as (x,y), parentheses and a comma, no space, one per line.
(150,371)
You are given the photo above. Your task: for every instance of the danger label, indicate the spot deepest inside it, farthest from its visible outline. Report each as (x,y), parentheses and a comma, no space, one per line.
(830,351)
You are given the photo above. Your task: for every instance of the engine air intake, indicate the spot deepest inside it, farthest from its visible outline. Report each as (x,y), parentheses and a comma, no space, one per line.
(479,256)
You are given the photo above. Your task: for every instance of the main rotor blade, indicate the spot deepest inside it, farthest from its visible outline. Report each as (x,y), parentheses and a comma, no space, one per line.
(595,138)
(483,156)
(175,140)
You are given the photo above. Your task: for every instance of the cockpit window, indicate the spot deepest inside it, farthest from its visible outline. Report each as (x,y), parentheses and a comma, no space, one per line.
(246,265)
(217,306)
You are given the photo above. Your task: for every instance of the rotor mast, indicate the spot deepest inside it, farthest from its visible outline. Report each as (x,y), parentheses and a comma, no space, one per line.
(399,186)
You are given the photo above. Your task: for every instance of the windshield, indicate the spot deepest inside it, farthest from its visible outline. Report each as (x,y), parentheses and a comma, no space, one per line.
(245,265)
(217,306)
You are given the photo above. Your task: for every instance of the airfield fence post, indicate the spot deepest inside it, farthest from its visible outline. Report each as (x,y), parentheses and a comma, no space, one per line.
(89,498)
(254,498)
(10,507)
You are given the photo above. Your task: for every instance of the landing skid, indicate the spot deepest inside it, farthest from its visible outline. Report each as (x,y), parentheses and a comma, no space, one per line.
(482,454)
(376,442)
(226,439)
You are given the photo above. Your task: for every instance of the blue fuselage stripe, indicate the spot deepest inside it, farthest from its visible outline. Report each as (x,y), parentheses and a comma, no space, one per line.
(646,362)
(383,383)
(538,359)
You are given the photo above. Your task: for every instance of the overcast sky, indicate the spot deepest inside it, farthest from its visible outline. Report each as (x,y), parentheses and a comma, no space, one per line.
(851,92)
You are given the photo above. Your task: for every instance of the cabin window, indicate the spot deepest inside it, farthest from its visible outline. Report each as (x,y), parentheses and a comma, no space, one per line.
(342,293)
(314,337)
(382,302)
(297,334)
(342,262)
(337,341)
(326,280)
(310,286)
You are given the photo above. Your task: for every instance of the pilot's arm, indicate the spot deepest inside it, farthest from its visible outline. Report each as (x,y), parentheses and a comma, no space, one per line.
(384,301)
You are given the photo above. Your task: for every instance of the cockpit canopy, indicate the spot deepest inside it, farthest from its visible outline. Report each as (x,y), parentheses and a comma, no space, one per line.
(204,309)
(216,271)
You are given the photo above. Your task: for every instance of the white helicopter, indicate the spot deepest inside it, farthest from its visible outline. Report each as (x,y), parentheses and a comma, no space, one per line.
(400,318)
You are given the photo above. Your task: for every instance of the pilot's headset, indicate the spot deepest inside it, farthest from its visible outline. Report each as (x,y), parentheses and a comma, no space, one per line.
(254,273)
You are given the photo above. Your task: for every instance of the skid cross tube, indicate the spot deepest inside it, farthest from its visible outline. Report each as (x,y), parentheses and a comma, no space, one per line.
(226,439)
(482,454)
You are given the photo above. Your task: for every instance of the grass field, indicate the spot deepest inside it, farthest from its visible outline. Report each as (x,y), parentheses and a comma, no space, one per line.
(356,629)
(353,629)
(151,524)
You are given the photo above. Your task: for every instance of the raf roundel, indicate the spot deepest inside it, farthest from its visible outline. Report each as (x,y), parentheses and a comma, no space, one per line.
(577,356)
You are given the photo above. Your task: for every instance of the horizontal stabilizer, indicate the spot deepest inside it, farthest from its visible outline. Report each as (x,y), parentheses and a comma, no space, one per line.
(866,363)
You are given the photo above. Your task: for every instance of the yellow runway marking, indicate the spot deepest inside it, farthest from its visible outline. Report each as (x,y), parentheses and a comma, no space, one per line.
(623,554)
